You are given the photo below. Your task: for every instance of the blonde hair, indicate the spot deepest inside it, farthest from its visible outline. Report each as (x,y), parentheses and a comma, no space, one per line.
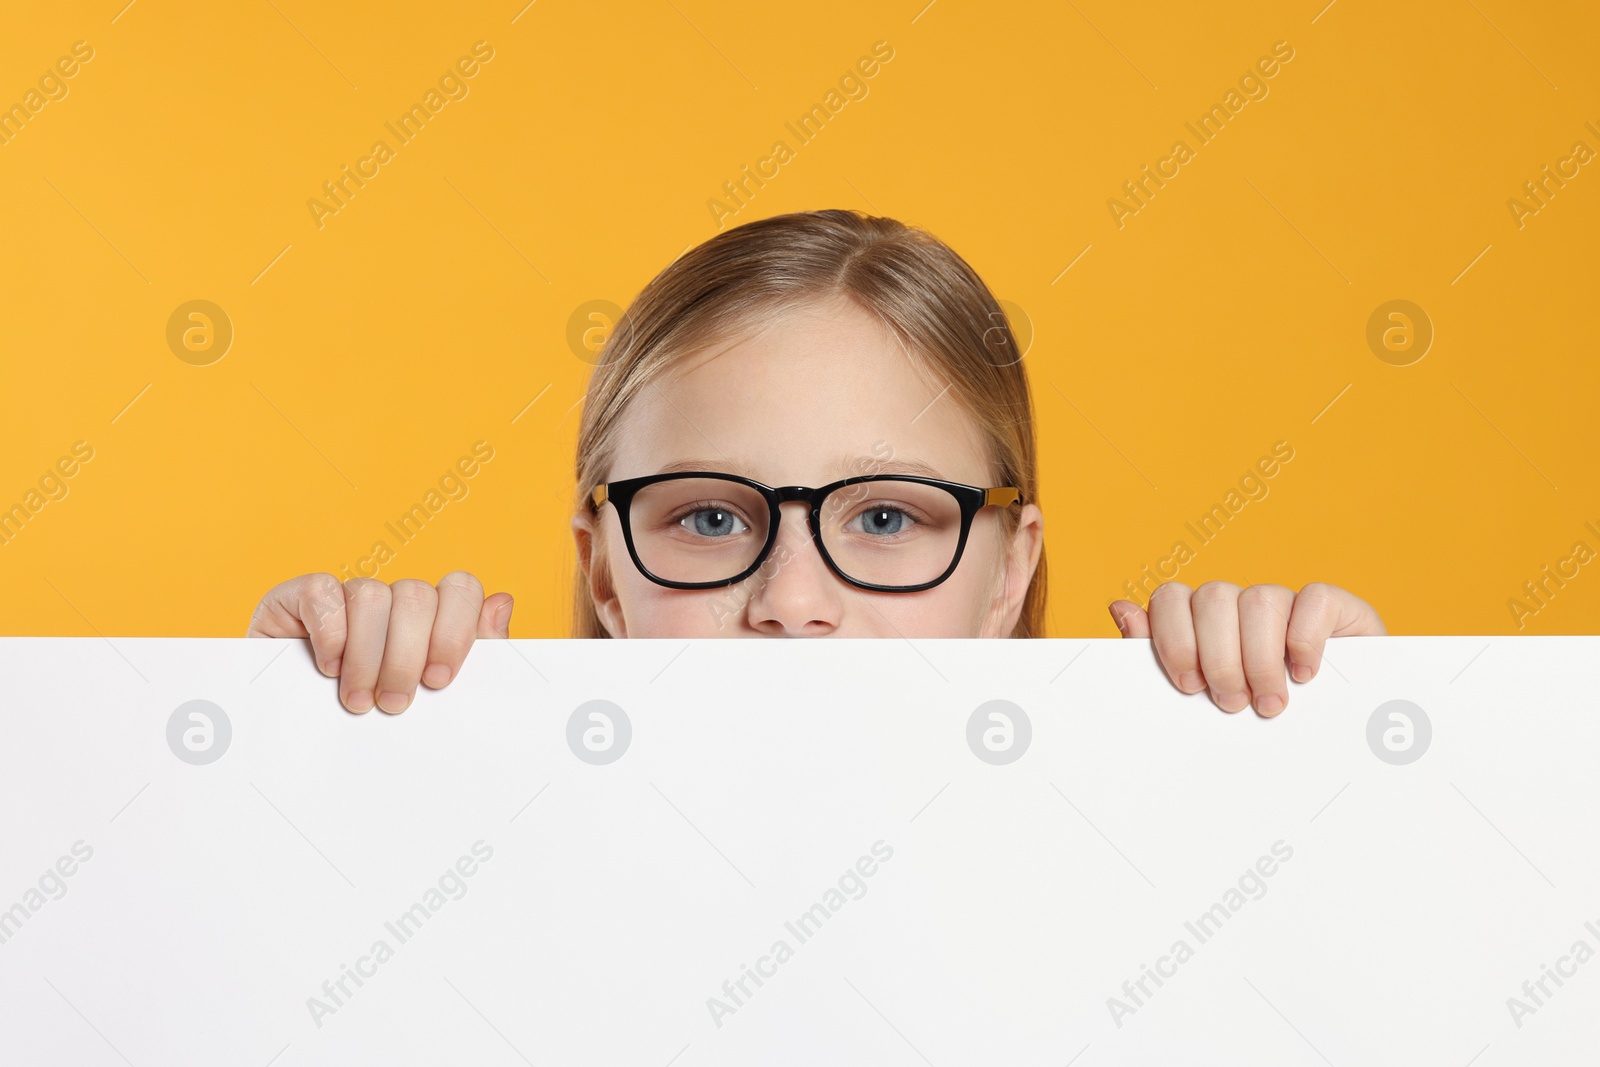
(931,299)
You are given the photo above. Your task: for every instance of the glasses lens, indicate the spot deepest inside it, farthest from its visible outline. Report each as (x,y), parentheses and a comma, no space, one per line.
(698,529)
(891,532)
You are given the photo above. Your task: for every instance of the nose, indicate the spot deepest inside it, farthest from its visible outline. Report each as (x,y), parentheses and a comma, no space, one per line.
(794,594)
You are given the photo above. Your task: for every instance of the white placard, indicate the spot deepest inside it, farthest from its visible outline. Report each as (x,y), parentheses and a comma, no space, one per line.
(770,852)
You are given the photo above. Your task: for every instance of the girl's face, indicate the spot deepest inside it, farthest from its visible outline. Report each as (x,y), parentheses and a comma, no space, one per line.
(823,393)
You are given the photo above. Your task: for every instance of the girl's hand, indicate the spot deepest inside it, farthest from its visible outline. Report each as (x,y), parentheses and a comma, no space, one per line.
(1235,642)
(379,639)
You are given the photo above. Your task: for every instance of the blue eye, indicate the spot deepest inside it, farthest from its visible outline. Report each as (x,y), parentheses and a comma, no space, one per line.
(713,522)
(884,521)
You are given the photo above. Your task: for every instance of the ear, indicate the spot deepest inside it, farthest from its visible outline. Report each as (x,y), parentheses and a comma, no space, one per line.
(606,603)
(1021,561)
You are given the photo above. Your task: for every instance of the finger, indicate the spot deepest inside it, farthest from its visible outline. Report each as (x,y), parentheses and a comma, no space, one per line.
(1173,628)
(366,602)
(322,612)
(1322,611)
(1131,619)
(495,619)
(311,605)
(460,602)
(1263,623)
(1215,606)
(405,647)
(278,614)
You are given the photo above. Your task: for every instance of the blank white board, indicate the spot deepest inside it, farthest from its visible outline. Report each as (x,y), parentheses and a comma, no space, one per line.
(798,852)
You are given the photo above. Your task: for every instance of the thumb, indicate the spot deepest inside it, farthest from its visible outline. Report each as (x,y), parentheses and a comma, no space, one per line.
(494,620)
(1130,618)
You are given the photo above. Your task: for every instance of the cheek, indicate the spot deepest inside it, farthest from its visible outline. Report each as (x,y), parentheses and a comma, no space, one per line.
(652,610)
(980,579)
(685,613)
(956,607)
(943,611)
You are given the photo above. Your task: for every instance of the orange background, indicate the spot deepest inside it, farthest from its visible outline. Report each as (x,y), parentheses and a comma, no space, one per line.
(371,353)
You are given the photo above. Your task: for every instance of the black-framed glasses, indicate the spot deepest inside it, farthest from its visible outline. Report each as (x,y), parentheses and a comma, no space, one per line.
(893,533)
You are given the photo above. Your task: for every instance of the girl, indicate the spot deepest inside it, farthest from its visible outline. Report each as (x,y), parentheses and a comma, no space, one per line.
(812,425)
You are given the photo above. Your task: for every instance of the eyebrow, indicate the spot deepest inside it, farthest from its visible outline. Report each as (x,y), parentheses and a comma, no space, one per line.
(854,465)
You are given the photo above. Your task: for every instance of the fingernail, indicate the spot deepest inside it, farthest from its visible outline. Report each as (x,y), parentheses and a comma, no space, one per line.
(436,675)
(1232,701)
(393,702)
(359,701)
(1269,705)
(1191,682)
(331,667)
(1300,672)
(1121,625)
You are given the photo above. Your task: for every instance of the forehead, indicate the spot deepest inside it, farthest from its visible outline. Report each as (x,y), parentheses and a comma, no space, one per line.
(796,399)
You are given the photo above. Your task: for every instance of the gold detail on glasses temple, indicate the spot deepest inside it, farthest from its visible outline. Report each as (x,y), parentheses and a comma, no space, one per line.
(1005,496)
(598,496)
